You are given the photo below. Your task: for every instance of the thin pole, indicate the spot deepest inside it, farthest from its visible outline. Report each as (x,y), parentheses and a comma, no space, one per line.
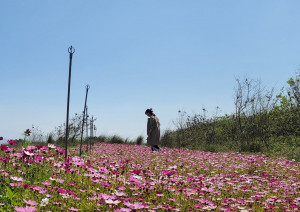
(91,132)
(71,51)
(83,117)
(87,130)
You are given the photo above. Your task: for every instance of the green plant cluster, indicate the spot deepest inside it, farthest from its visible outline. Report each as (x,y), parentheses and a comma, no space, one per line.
(262,123)
(98,139)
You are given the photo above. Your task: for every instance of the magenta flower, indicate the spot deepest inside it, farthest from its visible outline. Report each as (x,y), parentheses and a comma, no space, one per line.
(168,172)
(26,209)
(27,132)
(11,142)
(198,206)
(4,159)
(60,190)
(38,159)
(1,138)
(60,150)
(72,184)
(3,147)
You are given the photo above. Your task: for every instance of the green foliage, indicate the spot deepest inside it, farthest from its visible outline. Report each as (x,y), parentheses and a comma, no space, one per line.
(50,139)
(261,123)
(139,140)
(25,144)
(116,139)
(101,139)
(11,196)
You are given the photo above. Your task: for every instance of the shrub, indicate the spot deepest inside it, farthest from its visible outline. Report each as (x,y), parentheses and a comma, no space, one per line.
(139,140)
(50,139)
(116,140)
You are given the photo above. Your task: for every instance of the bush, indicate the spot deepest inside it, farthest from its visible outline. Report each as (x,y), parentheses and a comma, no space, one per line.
(101,139)
(50,139)
(139,140)
(116,140)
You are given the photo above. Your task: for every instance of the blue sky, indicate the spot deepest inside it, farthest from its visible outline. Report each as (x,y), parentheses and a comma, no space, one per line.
(168,55)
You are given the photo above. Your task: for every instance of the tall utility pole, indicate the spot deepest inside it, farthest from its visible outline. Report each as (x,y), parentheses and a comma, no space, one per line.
(86,122)
(95,130)
(83,117)
(92,132)
(71,51)
(92,127)
(87,129)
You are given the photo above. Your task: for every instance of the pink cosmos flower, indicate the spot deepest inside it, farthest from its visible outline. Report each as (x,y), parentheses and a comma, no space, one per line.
(56,203)
(46,183)
(60,181)
(42,191)
(26,209)
(122,210)
(15,184)
(30,202)
(74,209)
(72,184)
(120,194)
(37,188)
(103,170)
(31,148)
(28,153)
(18,179)
(135,206)
(9,149)
(38,159)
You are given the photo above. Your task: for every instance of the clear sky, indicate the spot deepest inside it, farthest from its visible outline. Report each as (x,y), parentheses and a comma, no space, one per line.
(136,54)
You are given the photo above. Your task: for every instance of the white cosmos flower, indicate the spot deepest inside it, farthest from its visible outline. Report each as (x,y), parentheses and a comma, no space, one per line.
(44,202)
(28,153)
(52,146)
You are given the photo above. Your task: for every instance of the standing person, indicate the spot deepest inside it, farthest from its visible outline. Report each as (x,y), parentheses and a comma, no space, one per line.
(153,130)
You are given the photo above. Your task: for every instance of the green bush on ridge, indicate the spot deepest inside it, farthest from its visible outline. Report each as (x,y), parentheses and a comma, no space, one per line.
(262,123)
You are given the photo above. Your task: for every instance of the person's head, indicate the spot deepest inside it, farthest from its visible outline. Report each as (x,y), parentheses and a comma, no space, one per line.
(149,112)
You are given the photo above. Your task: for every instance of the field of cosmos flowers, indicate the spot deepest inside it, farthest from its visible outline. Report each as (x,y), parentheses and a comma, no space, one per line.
(123,177)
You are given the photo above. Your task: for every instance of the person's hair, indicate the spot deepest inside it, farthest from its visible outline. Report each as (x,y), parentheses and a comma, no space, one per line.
(150,111)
